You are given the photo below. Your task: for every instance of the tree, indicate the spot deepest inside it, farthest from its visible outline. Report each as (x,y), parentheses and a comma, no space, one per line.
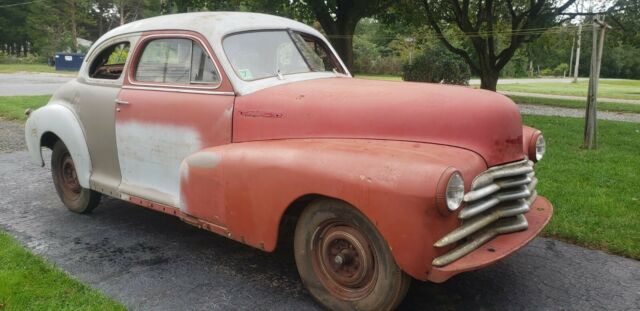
(339,19)
(494,30)
(13,33)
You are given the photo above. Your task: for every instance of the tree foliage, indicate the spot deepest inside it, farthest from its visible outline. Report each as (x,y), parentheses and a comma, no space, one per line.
(493,30)
(437,65)
(339,19)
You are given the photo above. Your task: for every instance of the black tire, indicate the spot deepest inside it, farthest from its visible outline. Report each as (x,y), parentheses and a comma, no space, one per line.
(76,198)
(343,260)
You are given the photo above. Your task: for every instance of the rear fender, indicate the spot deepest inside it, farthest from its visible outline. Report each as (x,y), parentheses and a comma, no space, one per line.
(57,118)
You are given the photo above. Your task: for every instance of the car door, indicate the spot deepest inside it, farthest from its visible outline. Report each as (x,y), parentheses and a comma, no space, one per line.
(174,102)
(98,86)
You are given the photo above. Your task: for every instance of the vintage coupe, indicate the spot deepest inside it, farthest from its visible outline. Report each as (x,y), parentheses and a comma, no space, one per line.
(236,122)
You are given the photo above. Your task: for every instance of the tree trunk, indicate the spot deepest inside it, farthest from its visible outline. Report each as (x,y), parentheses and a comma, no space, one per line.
(343,43)
(488,80)
(74,28)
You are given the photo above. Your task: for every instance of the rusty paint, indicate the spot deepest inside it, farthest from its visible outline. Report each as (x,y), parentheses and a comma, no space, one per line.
(178,213)
(485,122)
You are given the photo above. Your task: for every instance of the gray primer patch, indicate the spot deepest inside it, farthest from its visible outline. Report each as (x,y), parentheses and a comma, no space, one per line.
(204,159)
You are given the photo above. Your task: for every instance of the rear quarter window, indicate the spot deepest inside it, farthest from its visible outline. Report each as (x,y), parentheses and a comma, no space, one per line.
(109,64)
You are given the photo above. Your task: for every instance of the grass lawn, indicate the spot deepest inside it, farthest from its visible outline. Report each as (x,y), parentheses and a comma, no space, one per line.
(378,77)
(581,104)
(27,282)
(594,193)
(11,68)
(624,89)
(13,107)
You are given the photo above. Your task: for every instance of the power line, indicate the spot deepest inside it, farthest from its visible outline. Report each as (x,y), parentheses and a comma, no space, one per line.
(539,31)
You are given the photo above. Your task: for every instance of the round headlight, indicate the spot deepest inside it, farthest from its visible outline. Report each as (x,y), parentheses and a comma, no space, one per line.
(455,191)
(540,147)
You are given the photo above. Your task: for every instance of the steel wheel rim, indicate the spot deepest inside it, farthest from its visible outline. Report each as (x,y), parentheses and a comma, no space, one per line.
(68,178)
(344,261)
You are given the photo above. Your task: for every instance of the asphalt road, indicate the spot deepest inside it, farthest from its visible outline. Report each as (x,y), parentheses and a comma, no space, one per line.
(151,261)
(24,83)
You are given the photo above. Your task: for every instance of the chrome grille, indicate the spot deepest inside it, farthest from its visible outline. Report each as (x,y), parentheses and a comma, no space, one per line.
(496,204)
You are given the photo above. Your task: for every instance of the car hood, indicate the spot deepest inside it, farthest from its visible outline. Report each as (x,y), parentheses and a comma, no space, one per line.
(481,121)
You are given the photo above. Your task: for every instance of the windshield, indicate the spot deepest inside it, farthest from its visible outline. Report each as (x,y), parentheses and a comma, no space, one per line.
(264,54)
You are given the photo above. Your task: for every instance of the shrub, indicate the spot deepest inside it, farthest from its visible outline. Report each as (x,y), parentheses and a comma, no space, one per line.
(561,70)
(546,72)
(6,58)
(437,65)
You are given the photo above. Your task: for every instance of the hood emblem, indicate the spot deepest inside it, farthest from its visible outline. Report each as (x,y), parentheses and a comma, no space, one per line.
(261,114)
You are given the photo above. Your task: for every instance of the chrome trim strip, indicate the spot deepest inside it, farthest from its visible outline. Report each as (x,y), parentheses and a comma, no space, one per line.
(169,89)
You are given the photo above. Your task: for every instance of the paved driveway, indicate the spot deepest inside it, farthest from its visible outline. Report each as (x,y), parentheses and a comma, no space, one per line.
(152,261)
(23,83)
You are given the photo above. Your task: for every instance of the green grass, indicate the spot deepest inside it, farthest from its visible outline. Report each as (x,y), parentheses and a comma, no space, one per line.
(13,107)
(11,68)
(581,104)
(27,282)
(378,77)
(595,193)
(622,89)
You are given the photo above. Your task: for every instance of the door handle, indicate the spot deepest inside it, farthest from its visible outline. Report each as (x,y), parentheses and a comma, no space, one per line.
(121,102)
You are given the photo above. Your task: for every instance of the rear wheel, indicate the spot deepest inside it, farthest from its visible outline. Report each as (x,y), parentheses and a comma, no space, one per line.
(344,262)
(65,179)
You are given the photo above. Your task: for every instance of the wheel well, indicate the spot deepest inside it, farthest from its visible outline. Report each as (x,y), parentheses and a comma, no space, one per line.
(290,217)
(48,139)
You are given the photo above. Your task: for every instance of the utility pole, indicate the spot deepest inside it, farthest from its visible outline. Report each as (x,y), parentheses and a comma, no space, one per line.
(590,124)
(577,67)
(571,61)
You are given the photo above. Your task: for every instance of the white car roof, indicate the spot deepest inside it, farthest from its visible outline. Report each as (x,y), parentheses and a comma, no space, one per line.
(214,26)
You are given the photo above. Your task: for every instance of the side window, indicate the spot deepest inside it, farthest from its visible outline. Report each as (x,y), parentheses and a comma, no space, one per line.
(202,69)
(317,54)
(176,61)
(109,64)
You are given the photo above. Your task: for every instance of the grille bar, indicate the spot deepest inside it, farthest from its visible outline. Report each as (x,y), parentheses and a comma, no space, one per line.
(496,204)
(512,169)
(519,207)
(506,225)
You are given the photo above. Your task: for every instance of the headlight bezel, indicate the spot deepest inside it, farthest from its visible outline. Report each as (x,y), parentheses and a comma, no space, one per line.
(533,154)
(450,179)
(540,143)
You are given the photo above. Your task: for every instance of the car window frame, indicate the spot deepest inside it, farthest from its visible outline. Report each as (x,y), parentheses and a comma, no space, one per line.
(334,56)
(146,39)
(132,39)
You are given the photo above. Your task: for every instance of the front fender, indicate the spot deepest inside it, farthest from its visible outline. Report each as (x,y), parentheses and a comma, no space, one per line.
(247,188)
(58,119)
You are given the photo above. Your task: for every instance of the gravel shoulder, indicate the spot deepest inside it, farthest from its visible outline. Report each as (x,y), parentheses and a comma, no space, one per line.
(11,136)
(568,97)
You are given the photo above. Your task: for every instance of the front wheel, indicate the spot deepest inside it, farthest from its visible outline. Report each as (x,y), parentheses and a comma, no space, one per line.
(344,262)
(65,179)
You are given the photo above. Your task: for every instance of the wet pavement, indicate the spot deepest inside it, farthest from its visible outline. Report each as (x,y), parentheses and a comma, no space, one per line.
(151,261)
